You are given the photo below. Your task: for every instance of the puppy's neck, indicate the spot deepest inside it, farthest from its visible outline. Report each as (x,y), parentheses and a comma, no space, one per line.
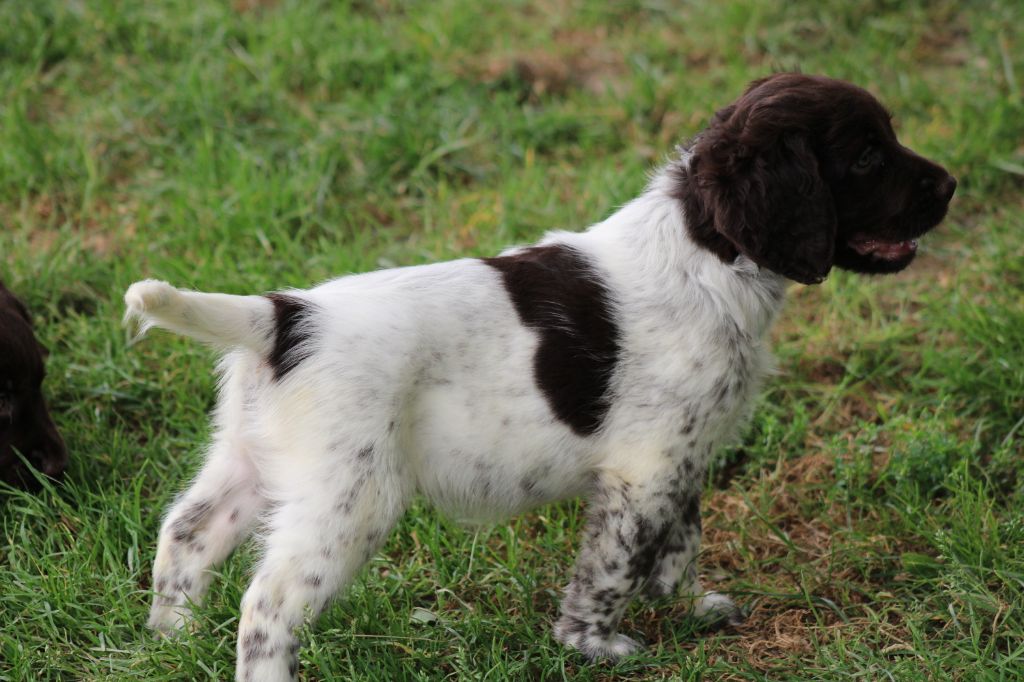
(649,244)
(680,183)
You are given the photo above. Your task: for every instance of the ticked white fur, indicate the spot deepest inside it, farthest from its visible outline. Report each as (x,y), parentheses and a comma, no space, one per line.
(420,380)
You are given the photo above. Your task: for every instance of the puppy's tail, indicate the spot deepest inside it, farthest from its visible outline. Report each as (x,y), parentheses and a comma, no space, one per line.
(219,319)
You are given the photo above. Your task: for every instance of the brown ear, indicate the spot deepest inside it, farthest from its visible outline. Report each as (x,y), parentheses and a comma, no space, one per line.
(769,200)
(6,297)
(23,311)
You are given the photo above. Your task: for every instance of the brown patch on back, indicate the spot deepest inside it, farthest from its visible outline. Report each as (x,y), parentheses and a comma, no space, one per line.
(557,292)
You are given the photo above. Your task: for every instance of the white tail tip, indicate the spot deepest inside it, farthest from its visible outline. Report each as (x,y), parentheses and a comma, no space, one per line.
(149,295)
(220,319)
(144,298)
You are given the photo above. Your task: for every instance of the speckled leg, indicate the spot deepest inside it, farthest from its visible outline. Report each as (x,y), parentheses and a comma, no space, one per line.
(317,542)
(677,564)
(203,526)
(677,560)
(626,528)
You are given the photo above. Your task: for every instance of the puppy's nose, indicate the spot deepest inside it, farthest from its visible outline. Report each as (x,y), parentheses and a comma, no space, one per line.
(52,465)
(946,188)
(54,469)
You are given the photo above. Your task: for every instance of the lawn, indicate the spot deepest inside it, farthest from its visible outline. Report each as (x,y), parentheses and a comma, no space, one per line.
(871,520)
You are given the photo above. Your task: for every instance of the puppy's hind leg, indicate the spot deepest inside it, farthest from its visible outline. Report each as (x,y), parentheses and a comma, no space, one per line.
(327,526)
(213,515)
(203,526)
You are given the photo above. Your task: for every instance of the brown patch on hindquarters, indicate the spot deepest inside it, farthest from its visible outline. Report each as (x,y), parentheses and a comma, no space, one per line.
(291,334)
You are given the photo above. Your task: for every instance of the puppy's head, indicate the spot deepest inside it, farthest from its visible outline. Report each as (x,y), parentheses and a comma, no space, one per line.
(25,423)
(804,172)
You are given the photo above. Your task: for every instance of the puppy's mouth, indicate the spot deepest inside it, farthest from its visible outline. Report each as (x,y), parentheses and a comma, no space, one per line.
(883,249)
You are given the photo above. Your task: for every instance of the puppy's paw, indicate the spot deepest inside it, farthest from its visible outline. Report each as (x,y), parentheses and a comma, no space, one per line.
(168,620)
(615,647)
(585,638)
(716,609)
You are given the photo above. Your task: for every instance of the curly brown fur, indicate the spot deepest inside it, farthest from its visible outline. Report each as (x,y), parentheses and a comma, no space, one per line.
(26,428)
(802,173)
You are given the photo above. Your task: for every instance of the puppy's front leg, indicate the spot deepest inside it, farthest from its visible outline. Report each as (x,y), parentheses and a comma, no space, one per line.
(628,524)
(678,564)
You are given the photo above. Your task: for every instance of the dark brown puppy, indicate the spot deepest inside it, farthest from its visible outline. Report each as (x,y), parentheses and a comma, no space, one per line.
(25,423)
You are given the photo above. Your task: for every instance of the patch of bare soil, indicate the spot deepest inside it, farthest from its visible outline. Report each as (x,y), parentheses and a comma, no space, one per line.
(782,625)
(252,6)
(575,60)
(102,229)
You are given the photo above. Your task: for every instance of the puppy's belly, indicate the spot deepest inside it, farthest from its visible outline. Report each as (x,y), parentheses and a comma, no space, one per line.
(484,457)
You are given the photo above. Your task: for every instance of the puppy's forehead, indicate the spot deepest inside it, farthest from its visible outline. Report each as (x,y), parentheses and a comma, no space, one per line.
(864,120)
(841,112)
(809,87)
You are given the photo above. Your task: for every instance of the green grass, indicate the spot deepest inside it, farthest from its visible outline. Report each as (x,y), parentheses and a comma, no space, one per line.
(872,518)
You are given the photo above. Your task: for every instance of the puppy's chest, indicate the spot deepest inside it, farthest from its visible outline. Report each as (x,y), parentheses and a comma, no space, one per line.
(692,386)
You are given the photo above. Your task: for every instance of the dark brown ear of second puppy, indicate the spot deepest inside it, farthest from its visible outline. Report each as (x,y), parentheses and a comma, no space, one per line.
(26,427)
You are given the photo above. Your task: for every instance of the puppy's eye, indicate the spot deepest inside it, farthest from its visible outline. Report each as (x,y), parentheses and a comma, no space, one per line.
(865,161)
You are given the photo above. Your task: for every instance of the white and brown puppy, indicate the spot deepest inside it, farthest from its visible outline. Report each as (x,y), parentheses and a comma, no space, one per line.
(610,363)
